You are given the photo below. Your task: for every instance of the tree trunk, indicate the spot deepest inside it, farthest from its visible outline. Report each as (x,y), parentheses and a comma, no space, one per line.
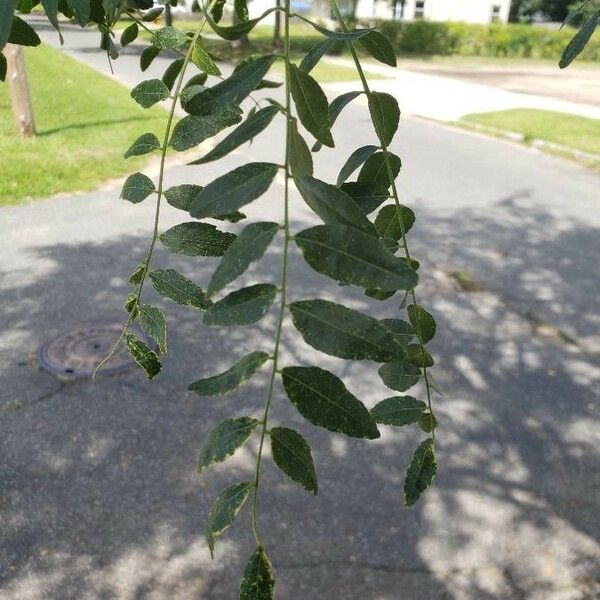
(19,90)
(168,15)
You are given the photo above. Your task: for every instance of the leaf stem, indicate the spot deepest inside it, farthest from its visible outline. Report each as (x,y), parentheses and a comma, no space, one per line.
(395,195)
(284,263)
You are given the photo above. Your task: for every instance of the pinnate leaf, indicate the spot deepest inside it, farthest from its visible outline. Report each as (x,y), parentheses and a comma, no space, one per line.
(232,378)
(323,399)
(291,453)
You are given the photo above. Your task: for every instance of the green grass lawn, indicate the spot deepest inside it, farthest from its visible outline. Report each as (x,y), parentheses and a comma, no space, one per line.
(573,131)
(85,122)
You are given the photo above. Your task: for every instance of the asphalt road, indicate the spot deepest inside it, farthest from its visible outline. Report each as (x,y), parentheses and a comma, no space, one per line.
(98,493)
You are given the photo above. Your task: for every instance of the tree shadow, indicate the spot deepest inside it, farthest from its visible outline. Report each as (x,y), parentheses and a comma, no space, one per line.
(98,492)
(91,124)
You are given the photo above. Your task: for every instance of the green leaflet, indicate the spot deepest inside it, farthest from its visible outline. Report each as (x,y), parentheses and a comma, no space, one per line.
(379,47)
(427,422)
(201,58)
(401,330)
(399,375)
(150,92)
(22,33)
(421,471)
(81,10)
(224,440)
(245,132)
(7,11)
(389,225)
(181,196)
(332,204)
(311,105)
(153,14)
(233,190)
(379,294)
(248,247)
(193,130)
(235,32)
(197,239)
(314,55)
(51,10)
(375,169)
(169,38)
(232,90)
(173,285)
(138,275)
(398,410)
(323,399)
(146,143)
(143,356)
(153,324)
(3,67)
(342,36)
(355,160)
(242,307)
(422,321)
(350,256)
(343,332)
(216,10)
(224,511)
(579,41)
(172,72)
(418,356)
(137,188)
(335,108)
(258,582)
(385,114)
(129,34)
(368,195)
(240,8)
(232,378)
(300,158)
(291,453)
(147,56)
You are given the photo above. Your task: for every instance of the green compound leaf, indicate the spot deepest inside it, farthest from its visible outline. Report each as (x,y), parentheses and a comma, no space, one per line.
(332,204)
(245,132)
(350,256)
(355,160)
(224,440)
(129,34)
(300,158)
(232,378)
(172,72)
(311,104)
(422,321)
(314,55)
(147,57)
(385,114)
(323,399)
(399,375)
(146,143)
(201,58)
(291,453)
(224,511)
(232,90)
(137,188)
(175,286)
(368,195)
(392,220)
(143,356)
(242,307)
(233,190)
(398,410)
(181,196)
(193,130)
(375,169)
(258,581)
(579,41)
(150,92)
(421,471)
(343,332)
(379,47)
(249,246)
(154,325)
(197,239)
(169,38)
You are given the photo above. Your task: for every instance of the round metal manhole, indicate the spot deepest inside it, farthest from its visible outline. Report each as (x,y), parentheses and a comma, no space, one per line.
(77,352)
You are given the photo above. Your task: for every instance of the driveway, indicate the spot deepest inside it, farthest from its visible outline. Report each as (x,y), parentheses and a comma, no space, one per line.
(98,492)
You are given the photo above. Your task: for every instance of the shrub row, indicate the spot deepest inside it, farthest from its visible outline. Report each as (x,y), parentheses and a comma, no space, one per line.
(496,40)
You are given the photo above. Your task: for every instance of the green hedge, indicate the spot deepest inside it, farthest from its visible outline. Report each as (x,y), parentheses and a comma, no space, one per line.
(427,38)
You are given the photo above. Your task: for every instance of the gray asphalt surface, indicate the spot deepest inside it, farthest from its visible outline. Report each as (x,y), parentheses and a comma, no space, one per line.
(98,493)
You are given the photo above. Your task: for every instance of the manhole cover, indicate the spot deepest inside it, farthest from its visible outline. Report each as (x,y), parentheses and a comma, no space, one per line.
(77,352)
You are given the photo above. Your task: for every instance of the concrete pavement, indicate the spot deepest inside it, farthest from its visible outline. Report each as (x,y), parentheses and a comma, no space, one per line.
(98,494)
